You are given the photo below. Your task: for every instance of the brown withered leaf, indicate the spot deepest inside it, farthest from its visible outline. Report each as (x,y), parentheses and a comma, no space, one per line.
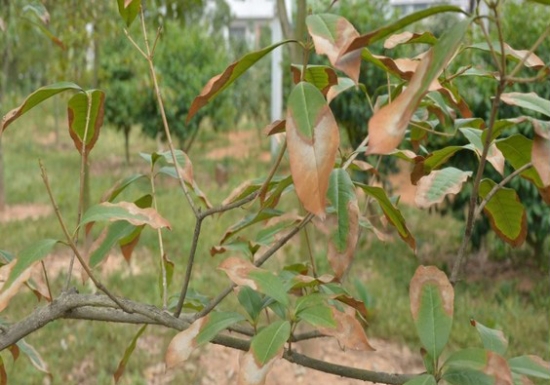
(409,37)
(313,139)
(8,293)
(497,367)
(251,372)
(388,125)
(276,127)
(331,34)
(540,153)
(238,270)
(348,332)
(183,344)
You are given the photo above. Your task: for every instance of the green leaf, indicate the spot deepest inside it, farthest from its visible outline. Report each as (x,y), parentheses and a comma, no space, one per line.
(506,213)
(309,300)
(116,231)
(269,341)
(127,354)
(341,194)
(6,257)
(532,366)
(440,157)
(492,339)
(517,151)
(390,29)
(391,212)
(30,255)
(467,377)
(217,321)
(120,186)
(220,82)
(36,98)
(432,302)
(318,316)
(128,10)
(85,112)
(424,379)
(432,189)
(3,374)
(529,100)
(36,359)
(271,285)
(266,236)
(250,220)
(321,76)
(251,301)
(470,358)
(543,2)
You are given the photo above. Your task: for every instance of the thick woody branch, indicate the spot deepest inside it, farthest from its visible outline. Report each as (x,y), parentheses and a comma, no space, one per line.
(91,307)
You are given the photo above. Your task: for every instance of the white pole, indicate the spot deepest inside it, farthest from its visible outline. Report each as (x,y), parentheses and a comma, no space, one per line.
(276,80)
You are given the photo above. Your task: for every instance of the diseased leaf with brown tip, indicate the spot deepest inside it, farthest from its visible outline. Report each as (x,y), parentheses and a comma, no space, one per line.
(432,307)
(127,354)
(408,37)
(540,154)
(253,373)
(388,125)
(238,271)
(36,98)
(342,85)
(125,211)
(348,332)
(277,127)
(506,213)
(331,34)
(385,31)
(183,344)
(497,367)
(432,189)
(312,139)
(532,61)
(341,194)
(85,111)
(15,283)
(221,81)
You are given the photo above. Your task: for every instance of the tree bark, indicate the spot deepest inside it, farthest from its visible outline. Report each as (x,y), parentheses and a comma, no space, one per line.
(296,31)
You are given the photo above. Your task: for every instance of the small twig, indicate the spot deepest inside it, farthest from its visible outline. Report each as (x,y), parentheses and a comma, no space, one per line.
(135,44)
(310,254)
(159,30)
(161,245)
(189,269)
(260,261)
(497,187)
(47,280)
(539,41)
(83,171)
(165,124)
(263,189)
(230,206)
(72,244)
(489,44)
(355,154)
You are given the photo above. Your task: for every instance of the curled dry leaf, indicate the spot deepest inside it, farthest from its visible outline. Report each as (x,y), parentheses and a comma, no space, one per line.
(8,293)
(126,211)
(276,127)
(409,37)
(387,126)
(431,275)
(348,331)
(183,344)
(251,372)
(238,271)
(313,139)
(331,34)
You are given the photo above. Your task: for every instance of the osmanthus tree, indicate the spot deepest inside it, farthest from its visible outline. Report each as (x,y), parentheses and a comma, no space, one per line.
(423,98)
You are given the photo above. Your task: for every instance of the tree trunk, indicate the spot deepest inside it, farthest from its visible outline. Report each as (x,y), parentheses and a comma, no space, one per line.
(3,88)
(298,31)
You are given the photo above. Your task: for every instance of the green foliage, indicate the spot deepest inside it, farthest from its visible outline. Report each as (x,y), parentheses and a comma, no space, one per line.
(185,59)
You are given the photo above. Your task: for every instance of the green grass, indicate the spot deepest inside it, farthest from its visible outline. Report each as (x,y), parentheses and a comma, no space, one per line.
(88,352)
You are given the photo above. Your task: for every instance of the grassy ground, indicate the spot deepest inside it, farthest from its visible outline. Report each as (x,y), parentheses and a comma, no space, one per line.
(88,353)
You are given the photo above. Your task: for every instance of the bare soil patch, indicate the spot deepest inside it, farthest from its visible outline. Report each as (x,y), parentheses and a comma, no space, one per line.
(240,145)
(26,211)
